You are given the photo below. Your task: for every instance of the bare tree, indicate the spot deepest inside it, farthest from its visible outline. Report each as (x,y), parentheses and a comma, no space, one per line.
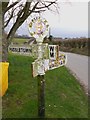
(21,10)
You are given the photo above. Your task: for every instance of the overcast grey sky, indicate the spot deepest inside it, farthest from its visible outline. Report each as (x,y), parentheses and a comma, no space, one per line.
(71,22)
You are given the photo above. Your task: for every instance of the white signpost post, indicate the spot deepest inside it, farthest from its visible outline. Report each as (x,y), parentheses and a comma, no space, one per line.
(39,29)
(47,57)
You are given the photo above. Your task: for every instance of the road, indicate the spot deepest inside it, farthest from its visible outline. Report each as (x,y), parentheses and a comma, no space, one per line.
(78,64)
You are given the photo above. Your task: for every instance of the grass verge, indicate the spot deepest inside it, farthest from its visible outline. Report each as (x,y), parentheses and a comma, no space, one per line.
(64,96)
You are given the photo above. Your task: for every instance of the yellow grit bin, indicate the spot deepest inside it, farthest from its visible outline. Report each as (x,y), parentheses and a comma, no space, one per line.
(3,77)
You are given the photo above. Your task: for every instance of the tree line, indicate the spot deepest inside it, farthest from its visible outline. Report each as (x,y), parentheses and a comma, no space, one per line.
(72,43)
(75,43)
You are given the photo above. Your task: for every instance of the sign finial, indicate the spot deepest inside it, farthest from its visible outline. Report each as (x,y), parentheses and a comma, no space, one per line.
(38,28)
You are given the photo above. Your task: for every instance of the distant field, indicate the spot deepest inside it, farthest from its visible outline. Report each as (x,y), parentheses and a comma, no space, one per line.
(68,47)
(20,40)
(64,97)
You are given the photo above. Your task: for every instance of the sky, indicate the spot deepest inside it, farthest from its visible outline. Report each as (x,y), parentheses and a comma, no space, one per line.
(72,20)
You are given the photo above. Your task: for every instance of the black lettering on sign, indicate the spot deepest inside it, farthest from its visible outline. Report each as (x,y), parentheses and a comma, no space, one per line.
(30,50)
(26,50)
(51,51)
(14,49)
(20,49)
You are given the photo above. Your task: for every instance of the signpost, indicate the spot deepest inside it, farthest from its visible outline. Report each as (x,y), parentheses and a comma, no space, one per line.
(47,57)
(39,28)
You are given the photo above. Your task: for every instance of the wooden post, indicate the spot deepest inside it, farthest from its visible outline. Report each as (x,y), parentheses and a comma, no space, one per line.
(41,96)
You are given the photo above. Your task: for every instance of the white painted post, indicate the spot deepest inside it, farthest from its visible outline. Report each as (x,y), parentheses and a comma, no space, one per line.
(40,60)
(41,30)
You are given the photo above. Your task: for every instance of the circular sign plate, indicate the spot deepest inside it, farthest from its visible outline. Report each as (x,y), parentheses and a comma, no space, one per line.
(38,28)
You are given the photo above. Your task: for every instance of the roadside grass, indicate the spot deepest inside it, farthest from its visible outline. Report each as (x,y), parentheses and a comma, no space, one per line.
(64,97)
